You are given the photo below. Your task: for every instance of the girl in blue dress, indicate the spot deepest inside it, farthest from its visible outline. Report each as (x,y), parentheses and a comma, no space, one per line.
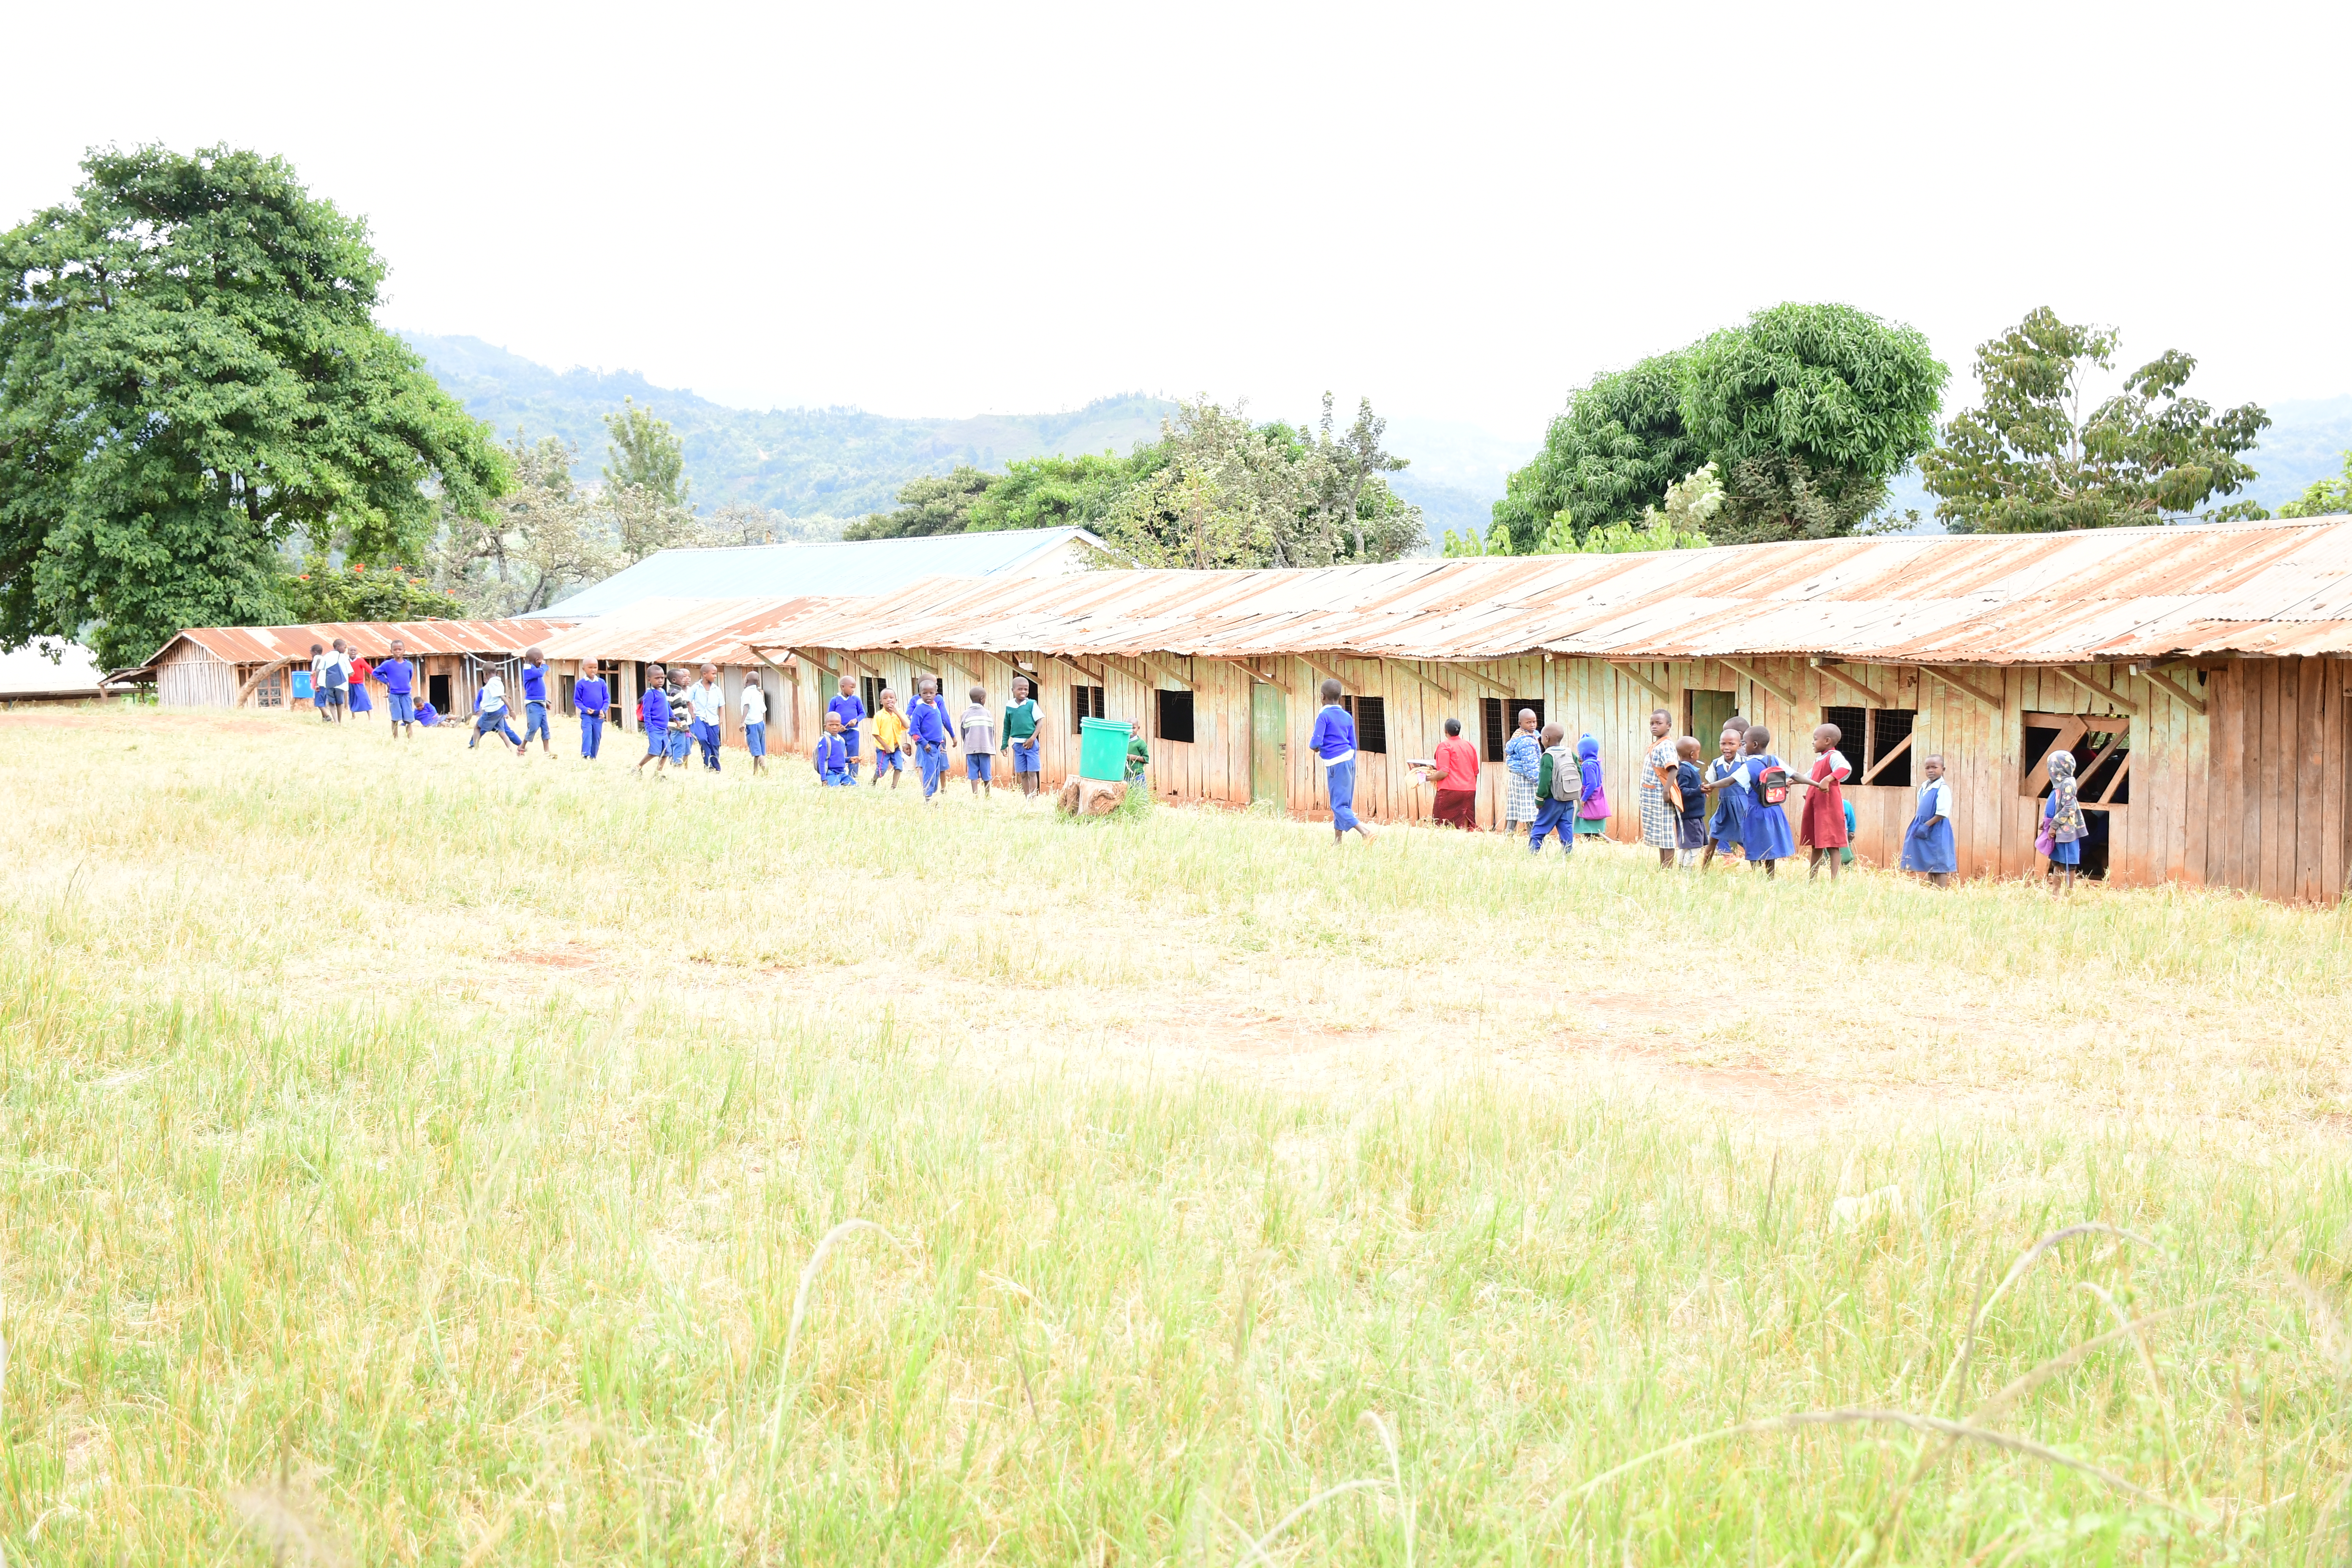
(1764,835)
(2063,816)
(1927,845)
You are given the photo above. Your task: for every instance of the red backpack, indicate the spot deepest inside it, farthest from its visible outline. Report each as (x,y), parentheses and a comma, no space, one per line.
(1772,784)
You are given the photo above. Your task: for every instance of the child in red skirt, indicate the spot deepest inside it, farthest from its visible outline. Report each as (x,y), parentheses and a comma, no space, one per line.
(1822,828)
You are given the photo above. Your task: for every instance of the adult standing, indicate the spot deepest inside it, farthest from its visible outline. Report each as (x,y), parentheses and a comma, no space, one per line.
(1657,771)
(399,677)
(1456,778)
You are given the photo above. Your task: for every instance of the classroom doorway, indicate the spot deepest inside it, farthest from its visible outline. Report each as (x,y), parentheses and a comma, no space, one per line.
(1705,713)
(1269,744)
(437,692)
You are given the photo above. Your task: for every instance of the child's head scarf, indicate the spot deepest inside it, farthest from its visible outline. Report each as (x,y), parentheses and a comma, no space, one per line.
(1588,766)
(2066,820)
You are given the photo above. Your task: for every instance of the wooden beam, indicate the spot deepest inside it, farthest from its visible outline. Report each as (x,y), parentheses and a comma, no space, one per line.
(811,659)
(1849,683)
(1095,676)
(2164,683)
(1406,665)
(264,673)
(1880,766)
(1499,689)
(1751,673)
(2095,690)
(1664,696)
(1154,665)
(1251,671)
(1324,670)
(1962,687)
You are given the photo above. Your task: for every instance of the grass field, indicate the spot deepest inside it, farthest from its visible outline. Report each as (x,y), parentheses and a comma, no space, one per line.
(417,1157)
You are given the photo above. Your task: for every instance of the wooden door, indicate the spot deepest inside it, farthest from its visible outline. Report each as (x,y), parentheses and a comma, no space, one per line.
(1269,744)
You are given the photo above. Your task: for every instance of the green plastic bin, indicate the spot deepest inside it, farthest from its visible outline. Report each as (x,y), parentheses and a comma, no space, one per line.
(1102,749)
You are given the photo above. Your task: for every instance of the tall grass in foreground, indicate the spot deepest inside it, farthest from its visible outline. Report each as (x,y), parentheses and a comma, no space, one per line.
(328,1239)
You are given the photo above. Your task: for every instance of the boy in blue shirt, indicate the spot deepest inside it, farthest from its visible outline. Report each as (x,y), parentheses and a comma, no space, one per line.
(1521,756)
(926,722)
(831,757)
(852,713)
(399,677)
(653,717)
(534,702)
(1334,744)
(590,698)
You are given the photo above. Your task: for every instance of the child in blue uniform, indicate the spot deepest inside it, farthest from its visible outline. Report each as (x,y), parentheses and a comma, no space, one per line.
(590,697)
(831,757)
(2064,815)
(926,722)
(399,677)
(852,713)
(1555,775)
(534,703)
(1334,744)
(1723,826)
(1927,846)
(1765,836)
(490,713)
(1690,815)
(652,718)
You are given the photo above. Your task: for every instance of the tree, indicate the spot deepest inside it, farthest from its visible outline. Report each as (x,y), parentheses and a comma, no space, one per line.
(2030,461)
(320,593)
(1621,442)
(1356,462)
(644,453)
(1052,492)
(191,378)
(544,539)
(1809,410)
(928,504)
(1690,502)
(2323,498)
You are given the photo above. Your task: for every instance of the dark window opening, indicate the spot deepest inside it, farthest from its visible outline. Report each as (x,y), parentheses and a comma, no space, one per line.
(437,692)
(1498,719)
(2038,742)
(1175,718)
(1371,716)
(1854,737)
(1085,702)
(869,692)
(1889,729)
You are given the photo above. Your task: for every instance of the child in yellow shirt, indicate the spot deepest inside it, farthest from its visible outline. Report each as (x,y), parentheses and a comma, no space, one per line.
(889,739)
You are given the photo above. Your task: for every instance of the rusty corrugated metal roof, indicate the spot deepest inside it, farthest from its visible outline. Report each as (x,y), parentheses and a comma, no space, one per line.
(688,631)
(2114,593)
(369,639)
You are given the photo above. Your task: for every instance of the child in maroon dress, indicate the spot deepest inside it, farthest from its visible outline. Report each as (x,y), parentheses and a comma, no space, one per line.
(1823,829)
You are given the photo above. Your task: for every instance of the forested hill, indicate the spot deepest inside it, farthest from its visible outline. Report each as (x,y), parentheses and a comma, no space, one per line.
(842,463)
(803,462)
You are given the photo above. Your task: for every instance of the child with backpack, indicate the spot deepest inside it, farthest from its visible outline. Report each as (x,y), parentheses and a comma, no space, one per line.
(1558,786)
(1764,833)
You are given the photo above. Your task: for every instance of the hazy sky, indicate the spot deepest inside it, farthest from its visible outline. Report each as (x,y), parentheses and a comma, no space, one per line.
(1463,211)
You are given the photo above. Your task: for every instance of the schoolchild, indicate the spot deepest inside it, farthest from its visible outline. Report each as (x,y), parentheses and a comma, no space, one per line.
(534,703)
(1822,825)
(1591,796)
(1658,815)
(399,677)
(852,713)
(333,681)
(928,724)
(1021,736)
(1333,743)
(1765,836)
(889,739)
(708,700)
(2062,828)
(652,718)
(591,696)
(976,733)
(755,723)
(1558,786)
(1689,801)
(1520,754)
(1928,846)
(1723,826)
(831,757)
(358,695)
(490,713)
(681,719)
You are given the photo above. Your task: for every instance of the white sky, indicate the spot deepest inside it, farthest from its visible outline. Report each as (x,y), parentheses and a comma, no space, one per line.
(1462,211)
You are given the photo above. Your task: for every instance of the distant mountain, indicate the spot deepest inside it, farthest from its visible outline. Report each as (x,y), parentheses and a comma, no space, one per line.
(803,462)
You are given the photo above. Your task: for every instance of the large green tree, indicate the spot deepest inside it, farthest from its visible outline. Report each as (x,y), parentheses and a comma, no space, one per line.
(2324,498)
(1612,452)
(2030,460)
(191,375)
(1052,492)
(928,504)
(1809,410)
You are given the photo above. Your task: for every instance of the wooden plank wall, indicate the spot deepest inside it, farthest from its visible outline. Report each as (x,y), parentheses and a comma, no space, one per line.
(2251,794)
(195,677)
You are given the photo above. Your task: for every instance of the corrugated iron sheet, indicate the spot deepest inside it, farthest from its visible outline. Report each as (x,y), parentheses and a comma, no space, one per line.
(688,631)
(371,639)
(2273,588)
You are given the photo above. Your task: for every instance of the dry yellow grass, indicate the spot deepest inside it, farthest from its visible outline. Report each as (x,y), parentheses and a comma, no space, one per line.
(418,1155)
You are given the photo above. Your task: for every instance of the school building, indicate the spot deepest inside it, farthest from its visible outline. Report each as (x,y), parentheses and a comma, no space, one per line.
(2200,675)
(270,666)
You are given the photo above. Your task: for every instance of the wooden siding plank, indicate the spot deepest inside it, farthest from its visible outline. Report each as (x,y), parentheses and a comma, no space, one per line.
(2263,740)
(2308,797)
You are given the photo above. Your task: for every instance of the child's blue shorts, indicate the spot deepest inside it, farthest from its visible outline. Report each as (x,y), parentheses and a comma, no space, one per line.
(1024,757)
(657,742)
(889,761)
(755,739)
(681,741)
(979,765)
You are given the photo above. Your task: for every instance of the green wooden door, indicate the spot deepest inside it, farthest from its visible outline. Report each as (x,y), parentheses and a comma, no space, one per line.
(1269,746)
(1709,711)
